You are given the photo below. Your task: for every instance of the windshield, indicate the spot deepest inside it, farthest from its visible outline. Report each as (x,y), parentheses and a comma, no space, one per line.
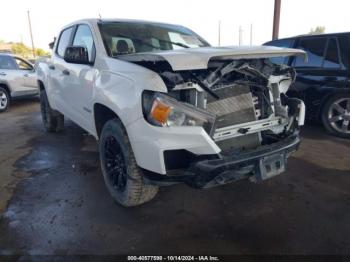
(122,38)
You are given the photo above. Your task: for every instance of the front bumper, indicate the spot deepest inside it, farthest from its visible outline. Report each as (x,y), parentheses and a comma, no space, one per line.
(259,164)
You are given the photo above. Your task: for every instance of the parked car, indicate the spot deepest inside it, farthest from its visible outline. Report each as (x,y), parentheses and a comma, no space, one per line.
(17,79)
(322,81)
(168,108)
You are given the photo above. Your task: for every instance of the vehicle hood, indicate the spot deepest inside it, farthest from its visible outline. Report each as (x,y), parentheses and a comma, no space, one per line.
(198,58)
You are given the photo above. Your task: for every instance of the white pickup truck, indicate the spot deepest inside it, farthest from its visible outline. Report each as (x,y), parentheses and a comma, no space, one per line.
(166,107)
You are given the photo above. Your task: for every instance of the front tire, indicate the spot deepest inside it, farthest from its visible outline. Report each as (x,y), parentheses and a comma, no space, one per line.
(4,99)
(122,176)
(336,115)
(53,121)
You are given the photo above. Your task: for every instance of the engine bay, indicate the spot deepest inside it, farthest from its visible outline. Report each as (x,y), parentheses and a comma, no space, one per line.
(248,97)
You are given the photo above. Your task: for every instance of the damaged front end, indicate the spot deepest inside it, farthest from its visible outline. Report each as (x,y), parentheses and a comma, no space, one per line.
(243,106)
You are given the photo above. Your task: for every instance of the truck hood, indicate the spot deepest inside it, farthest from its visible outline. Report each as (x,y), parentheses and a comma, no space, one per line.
(198,58)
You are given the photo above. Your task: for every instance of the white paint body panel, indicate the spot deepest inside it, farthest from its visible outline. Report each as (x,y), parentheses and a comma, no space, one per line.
(118,85)
(198,58)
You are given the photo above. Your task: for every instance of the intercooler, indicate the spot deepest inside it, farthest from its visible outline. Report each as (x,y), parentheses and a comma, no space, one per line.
(234,106)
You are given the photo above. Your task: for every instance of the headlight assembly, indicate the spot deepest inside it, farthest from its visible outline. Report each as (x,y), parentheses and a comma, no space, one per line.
(162,110)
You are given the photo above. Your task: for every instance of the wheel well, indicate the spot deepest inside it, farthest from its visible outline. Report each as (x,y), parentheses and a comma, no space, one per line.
(41,85)
(6,88)
(102,114)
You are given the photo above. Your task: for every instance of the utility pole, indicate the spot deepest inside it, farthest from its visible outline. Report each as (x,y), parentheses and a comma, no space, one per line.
(251,34)
(219,33)
(31,33)
(240,32)
(276,19)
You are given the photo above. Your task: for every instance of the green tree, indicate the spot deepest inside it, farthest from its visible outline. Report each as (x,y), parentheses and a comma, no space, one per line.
(26,52)
(317,30)
(41,52)
(21,50)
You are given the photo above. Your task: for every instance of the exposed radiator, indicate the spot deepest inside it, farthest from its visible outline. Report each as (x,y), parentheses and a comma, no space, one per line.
(235,107)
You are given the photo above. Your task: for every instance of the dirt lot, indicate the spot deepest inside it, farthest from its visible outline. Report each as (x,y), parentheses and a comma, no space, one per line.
(58,203)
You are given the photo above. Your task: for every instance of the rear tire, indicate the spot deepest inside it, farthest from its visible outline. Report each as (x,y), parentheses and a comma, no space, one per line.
(53,121)
(336,115)
(4,99)
(122,176)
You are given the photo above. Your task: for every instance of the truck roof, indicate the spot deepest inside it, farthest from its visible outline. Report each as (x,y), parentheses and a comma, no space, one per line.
(311,35)
(111,20)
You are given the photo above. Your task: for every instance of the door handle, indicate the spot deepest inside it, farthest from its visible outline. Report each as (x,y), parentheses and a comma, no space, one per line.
(52,67)
(25,75)
(65,72)
(2,74)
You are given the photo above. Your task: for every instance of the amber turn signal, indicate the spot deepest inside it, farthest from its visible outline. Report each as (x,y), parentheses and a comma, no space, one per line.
(160,111)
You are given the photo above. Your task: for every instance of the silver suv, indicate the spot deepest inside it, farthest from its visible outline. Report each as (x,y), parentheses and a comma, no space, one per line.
(17,79)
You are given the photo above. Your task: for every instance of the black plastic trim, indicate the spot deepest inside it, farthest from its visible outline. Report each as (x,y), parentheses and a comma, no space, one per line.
(228,168)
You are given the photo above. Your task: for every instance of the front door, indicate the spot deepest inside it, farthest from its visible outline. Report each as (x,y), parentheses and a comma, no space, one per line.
(28,72)
(58,80)
(81,79)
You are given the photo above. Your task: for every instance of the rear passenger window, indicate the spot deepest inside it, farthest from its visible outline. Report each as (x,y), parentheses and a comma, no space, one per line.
(314,47)
(64,41)
(344,43)
(23,65)
(332,56)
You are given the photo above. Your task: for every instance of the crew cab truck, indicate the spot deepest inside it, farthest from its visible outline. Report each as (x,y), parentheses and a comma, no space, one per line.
(166,107)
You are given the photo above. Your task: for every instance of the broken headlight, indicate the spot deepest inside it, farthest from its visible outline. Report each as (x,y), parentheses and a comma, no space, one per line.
(162,110)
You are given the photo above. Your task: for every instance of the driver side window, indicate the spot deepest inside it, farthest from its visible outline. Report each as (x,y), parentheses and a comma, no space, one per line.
(83,37)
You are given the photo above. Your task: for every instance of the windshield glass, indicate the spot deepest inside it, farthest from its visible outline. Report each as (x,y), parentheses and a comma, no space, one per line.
(122,38)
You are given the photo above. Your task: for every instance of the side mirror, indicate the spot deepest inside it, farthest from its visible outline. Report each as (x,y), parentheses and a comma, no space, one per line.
(52,44)
(77,55)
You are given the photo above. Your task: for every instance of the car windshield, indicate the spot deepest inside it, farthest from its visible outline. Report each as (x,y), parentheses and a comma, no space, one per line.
(122,38)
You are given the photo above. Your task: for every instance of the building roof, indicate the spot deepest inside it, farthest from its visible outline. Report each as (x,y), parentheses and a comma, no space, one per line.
(5,48)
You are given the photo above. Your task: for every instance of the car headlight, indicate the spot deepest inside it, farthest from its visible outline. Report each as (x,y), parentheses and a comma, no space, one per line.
(162,110)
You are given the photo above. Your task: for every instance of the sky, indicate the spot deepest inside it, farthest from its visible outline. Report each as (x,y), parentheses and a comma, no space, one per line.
(202,16)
